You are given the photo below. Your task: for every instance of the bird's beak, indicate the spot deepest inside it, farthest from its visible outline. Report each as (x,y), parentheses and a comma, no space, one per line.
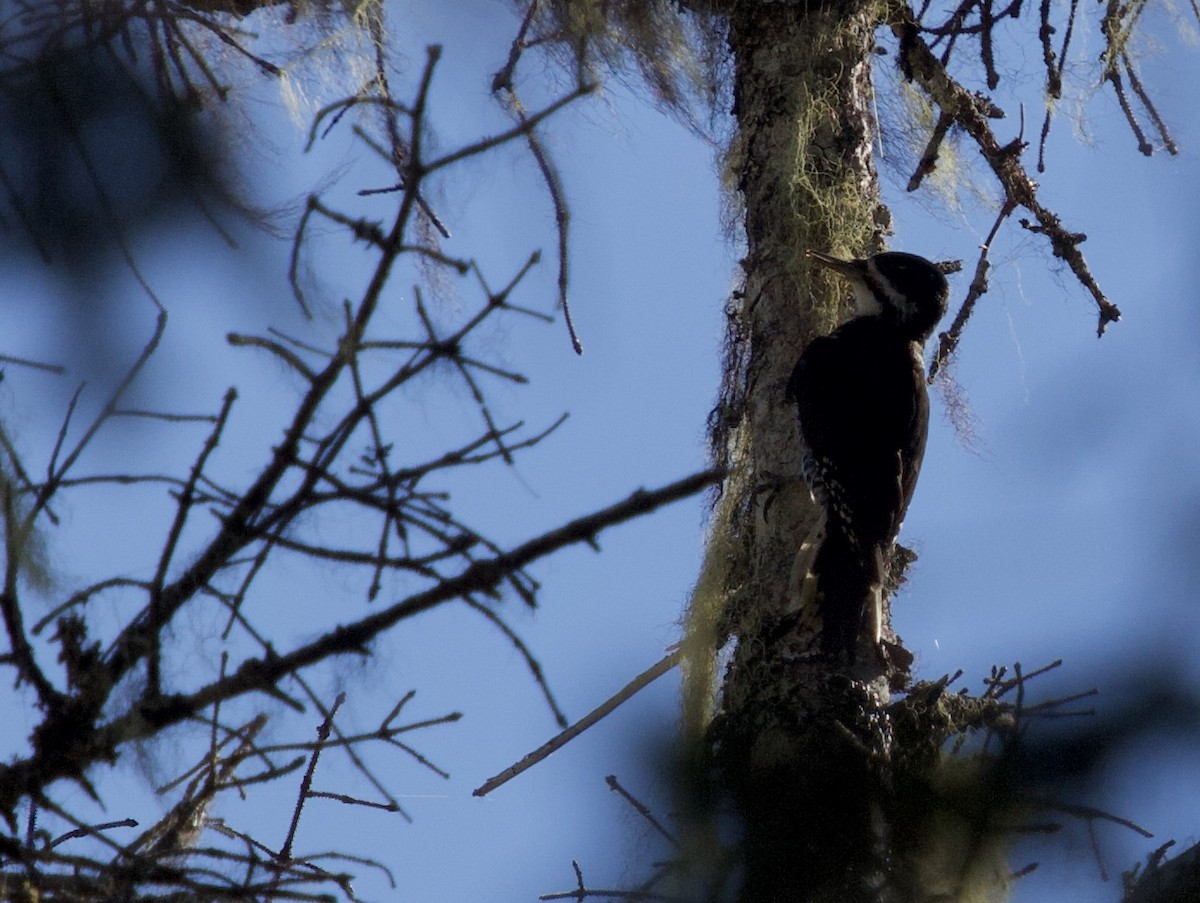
(851,269)
(855,272)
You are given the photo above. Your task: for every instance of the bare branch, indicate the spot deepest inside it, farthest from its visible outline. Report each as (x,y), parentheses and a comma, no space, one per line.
(948,340)
(1019,189)
(597,714)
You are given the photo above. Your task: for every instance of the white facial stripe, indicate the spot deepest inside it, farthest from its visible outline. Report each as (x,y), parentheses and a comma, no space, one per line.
(879,282)
(865,302)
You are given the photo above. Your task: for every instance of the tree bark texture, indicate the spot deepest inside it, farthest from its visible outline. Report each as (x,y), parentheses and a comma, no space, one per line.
(802,751)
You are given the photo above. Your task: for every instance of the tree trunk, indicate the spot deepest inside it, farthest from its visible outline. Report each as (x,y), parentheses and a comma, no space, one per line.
(802,751)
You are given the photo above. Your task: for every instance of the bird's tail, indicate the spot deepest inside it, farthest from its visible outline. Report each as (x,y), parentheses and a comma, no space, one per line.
(849,593)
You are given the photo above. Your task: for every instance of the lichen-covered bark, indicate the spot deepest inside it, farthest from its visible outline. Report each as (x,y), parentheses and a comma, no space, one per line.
(802,751)
(802,160)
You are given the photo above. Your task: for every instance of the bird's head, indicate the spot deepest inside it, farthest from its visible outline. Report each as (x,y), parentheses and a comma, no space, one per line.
(903,288)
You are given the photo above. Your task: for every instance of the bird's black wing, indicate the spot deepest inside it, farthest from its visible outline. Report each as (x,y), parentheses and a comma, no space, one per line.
(864,417)
(864,414)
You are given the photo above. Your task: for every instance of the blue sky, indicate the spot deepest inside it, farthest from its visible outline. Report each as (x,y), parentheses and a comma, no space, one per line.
(1067,529)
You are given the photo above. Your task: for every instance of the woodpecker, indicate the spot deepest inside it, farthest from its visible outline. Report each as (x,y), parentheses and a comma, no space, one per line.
(864,417)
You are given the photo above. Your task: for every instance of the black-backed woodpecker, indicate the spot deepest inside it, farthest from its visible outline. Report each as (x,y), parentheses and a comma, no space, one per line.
(864,418)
